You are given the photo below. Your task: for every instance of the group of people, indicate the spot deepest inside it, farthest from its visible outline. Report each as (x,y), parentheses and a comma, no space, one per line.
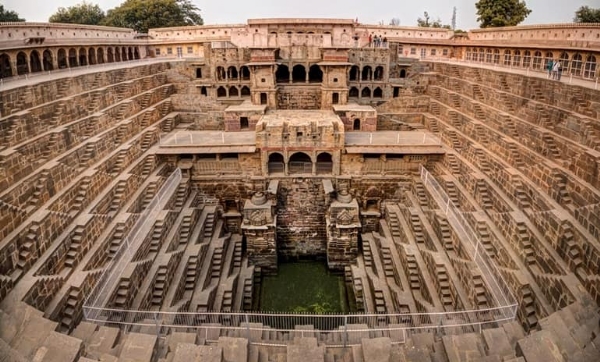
(377,41)
(554,68)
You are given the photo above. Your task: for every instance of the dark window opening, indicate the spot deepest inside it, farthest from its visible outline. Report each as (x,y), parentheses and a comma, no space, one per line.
(298,74)
(203,91)
(282,75)
(402,73)
(396,92)
(377,93)
(335,98)
(354,73)
(353,92)
(244,123)
(356,125)
(232,73)
(366,92)
(367,73)
(245,91)
(263,98)
(324,163)
(221,92)
(378,75)
(198,72)
(245,73)
(315,74)
(233,92)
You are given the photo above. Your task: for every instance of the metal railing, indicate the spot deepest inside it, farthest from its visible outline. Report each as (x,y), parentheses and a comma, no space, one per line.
(102,291)
(497,287)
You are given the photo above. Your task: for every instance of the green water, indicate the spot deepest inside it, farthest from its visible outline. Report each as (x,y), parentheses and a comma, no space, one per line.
(304,287)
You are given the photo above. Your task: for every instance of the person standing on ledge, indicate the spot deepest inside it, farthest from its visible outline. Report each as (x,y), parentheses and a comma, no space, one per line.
(550,67)
(555,70)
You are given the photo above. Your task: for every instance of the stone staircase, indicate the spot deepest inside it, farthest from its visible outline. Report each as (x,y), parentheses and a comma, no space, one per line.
(525,244)
(485,238)
(237,255)
(148,166)
(181,194)
(394,224)
(81,197)
(552,149)
(88,154)
(69,313)
(51,145)
(478,111)
(157,236)
(527,309)
(481,133)
(39,189)
(454,119)
(216,264)
(521,195)
(185,230)
(452,193)
(419,190)
(74,252)
(160,287)
(147,141)
(118,195)
(484,197)
(388,264)
(443,284)
(120,162)
(367,255)
(452,162)
(209,225)
(191,272)
(513,150)
(115,242)
(454,140)
(417,228)
(560,181)
(477,93)
(149,194)
(445,234)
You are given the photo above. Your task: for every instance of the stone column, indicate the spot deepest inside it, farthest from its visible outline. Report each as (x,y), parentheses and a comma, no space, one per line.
(54,59)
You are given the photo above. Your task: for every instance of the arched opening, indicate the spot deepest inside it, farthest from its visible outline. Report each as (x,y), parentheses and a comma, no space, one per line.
(110,56)
(298,74)
(244,73)
(589,70)
(47,60)
(324,163)
(507,56)
(130,53)
(488,56)
(315,74)
(353,93)
(537,60)
(276,163)
(5,69)
(82,57)
(100,55)
(72,58)
(282,75)
(62,59)
(221,74)
(469,53)
(117,54)
(233,92)
(517,58)
(548,57)
(221,92)
(300,162)
(378,75)
(92,56)
(263,98)
(365,93)
(576,64)
(496,56)
(232,72)
(377,93)
(564,59)
(402,73)
(335,98)
(198,72)
(356,125)
(245,91)
(35,64)
(244,124)
(481,55)
(354,71)
(22,66)
(526,59)
(136,53)
(123,54)
(367,73)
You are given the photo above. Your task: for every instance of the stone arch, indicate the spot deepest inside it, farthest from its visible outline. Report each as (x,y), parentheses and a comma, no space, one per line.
(402,73)
(221,74)
(73,58)
(324,163)
(136,53)
(356,124)
(47,60)
(516,58)
(488,55)
(117,54)
(564,59)
(245,92)
(367,73)
(496,56)
(315,74)
(110,57)
(300,162)
(507,56)
(276,163)
(589,69)
(377,93)
(244,73)
(354,73)
(371,199)
(526,59)
(22,64)
(232,72)
(35,63)
(100,55)
(221,92)
(92,55)
(62,59)
(537,60)
(366,92)
(5,68)
(576,64)
(481,55)
(353,93)
(233,91)
(282,75)
(378,74)
(83,57)
(298,73)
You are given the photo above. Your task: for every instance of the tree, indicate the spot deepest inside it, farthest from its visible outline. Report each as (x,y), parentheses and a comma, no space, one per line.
(395,22)
(142,15)
(585,14)
(8,15)
(453,21)
(84,13)
(495,13)
(425,23)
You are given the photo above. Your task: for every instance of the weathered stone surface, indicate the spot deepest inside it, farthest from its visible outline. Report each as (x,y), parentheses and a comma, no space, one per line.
(539,347)
(377,349)
(138,347)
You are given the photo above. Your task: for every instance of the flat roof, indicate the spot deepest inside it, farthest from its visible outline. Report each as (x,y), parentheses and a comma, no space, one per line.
(247,106)
(299,117)
(402,142)
(208,142)
(353,107)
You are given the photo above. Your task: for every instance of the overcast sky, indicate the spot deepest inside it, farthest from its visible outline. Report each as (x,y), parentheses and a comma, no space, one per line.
(367,11)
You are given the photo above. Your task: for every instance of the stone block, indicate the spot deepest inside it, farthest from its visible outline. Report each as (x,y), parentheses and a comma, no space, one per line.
(187,352)
(85,331)
(539,347)
(462,347)
(59,348)
(104,340)
(377,349)
(497,343)
(138,347)
(305,349)
(32,335)
(180,337)
(234,349)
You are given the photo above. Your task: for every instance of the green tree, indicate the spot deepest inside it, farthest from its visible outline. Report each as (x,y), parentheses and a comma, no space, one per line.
(8,15)
(84,13)
(142,15)
(585,14)
(495,13)
(395,22)
(426,23)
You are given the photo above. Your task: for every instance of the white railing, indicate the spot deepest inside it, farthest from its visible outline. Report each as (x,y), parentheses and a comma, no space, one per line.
(496,285)
(109,279)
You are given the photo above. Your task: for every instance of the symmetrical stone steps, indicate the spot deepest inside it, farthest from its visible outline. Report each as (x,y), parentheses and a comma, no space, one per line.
(160,285)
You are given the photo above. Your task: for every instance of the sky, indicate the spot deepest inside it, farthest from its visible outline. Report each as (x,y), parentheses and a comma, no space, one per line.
(367,11)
